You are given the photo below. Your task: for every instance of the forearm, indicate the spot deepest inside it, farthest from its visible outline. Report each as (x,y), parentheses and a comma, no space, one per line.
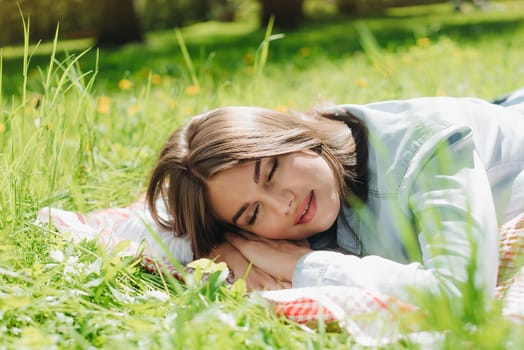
(321,268)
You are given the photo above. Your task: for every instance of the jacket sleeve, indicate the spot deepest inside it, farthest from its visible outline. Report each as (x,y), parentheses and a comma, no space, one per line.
(448,197)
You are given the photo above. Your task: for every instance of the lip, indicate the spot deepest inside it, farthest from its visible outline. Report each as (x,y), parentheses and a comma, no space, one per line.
(311,204)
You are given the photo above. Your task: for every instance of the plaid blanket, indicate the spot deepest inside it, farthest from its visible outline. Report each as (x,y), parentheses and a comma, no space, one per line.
(370,317)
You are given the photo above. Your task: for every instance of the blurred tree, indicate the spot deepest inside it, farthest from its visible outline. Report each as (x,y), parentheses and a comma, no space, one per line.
(347,6)
(356,6)
(202,8)
(170,15)
(77,18)
(287,13)
(162,14)
(119,24)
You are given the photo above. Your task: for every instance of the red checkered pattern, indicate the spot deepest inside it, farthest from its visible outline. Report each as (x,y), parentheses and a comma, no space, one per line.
(511,248)
(155,266)
(366,315)
(511,270)
(304,310)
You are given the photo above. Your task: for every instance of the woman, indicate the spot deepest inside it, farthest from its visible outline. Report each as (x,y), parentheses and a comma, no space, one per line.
(388,196)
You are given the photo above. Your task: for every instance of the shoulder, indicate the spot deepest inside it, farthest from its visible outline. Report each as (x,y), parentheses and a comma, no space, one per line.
(403,134)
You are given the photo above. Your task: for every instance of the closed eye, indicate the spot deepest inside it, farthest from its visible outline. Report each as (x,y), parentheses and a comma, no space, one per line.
(274,167)
(253,216)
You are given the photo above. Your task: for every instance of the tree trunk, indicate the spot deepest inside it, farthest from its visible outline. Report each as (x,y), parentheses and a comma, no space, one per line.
(287,13)
(119,24)
(348,7)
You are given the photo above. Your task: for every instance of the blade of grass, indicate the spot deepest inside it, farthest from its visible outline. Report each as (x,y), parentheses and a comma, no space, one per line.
(25,68)
(174,261)
(66,71)
(51,60)
(263,49)
(187,57)
(371,47)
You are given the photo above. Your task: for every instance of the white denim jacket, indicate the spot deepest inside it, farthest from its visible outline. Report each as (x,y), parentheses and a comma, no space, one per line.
(444,174)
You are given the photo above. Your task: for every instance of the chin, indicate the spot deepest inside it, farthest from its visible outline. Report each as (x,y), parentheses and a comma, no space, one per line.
(330,220)
(326,227)
(321,228)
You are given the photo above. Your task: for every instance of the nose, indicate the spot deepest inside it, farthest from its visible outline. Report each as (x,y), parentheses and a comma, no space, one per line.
(281,201)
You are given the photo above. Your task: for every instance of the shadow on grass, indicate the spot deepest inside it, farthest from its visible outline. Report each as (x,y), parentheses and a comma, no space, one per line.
(220,50)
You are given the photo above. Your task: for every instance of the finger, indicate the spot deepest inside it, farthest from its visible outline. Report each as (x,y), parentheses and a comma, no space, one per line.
(263,284)
(253,285)
(257,279)
(285,284)
(238,241)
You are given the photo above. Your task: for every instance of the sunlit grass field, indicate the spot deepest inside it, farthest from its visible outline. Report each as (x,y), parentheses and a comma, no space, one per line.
(80,130)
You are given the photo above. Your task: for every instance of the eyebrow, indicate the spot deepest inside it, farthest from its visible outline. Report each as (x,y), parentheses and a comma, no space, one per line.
(257,170)
(243,208)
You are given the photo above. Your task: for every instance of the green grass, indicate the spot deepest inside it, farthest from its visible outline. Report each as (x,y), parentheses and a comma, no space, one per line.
(80,130)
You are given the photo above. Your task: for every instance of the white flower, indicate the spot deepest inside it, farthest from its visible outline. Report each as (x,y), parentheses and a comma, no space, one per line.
(94,283)
(57,255)
(156,294)
(72,265)
(94,268)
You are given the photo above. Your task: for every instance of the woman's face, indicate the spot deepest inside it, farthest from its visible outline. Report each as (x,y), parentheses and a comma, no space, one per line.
(291,196)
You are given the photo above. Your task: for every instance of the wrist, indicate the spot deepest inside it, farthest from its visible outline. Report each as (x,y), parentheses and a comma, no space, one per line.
(294,260)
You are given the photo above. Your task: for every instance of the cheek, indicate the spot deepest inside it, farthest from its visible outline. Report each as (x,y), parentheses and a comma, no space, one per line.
(324,173)
(267,231)
(271,230)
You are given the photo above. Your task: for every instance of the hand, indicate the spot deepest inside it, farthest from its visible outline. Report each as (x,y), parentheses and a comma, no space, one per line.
(277,258)
(256,279)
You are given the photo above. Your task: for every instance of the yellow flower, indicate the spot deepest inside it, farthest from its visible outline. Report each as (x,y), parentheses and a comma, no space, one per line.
(133,109)
(125,84)
(281,108)
(2,127)
(172,103)
(362,83)
(304,51)
(423,42)
(440,93)
(104,105)
(192,90)
(155,79)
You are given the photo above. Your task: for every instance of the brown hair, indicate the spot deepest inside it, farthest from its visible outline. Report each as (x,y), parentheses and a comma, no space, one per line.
(226,137)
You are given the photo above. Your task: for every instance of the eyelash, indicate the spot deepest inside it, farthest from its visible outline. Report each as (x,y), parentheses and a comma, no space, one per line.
(253,217)
(274,167)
